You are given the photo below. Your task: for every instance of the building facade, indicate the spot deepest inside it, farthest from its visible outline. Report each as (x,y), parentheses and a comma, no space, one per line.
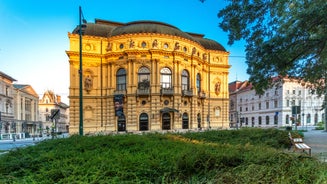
(6,105)
(147,76)
(274,107)
(54,114)
(26,111)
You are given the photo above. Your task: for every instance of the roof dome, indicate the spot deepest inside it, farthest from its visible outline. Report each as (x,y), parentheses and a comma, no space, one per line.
(96,29)
(107,29)
(210,44)
(150,27)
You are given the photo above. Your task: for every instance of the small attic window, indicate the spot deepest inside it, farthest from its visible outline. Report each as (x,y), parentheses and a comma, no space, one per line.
(166,45)
(121,46)
(143,44)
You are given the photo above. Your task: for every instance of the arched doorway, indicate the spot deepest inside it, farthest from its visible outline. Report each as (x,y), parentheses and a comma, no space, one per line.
(121,123)
(166,121)
(144,122)
(185,121)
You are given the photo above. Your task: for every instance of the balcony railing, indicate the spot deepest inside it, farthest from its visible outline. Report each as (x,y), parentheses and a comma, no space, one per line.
(188,93)
(120,92)
(202,94)
(167,91)
(143,92)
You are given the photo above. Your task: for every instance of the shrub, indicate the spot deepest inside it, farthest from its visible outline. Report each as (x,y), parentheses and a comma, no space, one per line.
(242,156)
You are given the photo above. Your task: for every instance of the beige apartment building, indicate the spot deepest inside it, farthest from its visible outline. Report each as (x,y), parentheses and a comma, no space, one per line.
(53,113)
(147,76)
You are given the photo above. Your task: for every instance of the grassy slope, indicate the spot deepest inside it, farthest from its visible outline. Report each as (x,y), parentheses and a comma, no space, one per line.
(244,156)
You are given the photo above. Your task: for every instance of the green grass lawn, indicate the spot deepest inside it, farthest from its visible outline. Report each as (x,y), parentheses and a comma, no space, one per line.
(227,156)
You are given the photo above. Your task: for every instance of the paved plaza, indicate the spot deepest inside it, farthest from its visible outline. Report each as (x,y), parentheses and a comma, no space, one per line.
(317,140)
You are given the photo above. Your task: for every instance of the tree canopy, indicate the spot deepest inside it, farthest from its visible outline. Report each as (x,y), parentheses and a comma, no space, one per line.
(283,38)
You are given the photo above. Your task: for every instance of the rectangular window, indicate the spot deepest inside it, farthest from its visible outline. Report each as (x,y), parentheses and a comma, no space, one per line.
(259,106)
(275,103)
(287,103)
(267,105)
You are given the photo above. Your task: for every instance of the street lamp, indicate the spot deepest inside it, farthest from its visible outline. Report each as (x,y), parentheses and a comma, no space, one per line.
(325,101)
(81,26)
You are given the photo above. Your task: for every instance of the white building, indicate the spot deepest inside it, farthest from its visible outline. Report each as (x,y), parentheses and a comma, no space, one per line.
(26,111)
(274,107)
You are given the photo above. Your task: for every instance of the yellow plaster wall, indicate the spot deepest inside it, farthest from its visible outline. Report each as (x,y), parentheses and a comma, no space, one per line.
(102,57)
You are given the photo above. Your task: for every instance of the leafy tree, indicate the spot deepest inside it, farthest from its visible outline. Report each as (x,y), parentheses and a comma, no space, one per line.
(283,38)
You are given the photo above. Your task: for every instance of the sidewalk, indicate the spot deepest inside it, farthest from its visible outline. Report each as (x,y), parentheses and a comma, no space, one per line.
(317,140)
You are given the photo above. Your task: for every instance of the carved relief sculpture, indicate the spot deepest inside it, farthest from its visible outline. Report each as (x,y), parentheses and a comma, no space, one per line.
(204,57)
(155,44)
(109,47)
(217,88)
(193,50)
(88,83)
(131,44)
(176,46)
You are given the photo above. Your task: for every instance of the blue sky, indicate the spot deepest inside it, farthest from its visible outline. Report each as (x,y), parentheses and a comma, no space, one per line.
(33,33)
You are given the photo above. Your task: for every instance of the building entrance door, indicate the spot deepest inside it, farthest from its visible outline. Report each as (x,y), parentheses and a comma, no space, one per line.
(185,121)
(144,122)
(121,123)
(166,121)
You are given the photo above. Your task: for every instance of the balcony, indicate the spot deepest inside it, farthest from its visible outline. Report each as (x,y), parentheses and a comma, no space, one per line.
(202,95)
(187,93)
(143,88)
(167,91)
(143,92)
(120,92)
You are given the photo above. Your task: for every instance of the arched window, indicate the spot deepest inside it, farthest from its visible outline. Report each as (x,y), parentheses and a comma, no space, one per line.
(316,119)
(121,79)
(185,80)
(267,120)
(144,122)
(165,80)
(185,121)
(144,77)
(259,120)
(144,74)
(276,119)
(198,82)
(308,118)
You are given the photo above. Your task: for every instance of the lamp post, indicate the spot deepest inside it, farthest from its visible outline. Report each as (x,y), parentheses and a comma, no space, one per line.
(325,101)
(80,72)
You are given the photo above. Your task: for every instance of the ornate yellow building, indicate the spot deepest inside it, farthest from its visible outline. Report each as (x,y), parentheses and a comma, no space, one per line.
(147,76)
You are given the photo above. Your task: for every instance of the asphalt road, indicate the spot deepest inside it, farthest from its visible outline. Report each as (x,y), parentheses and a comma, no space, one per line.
(10,144)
